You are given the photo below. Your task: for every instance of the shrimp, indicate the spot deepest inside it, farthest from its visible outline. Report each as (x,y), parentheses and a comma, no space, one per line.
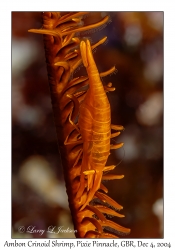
(95,128)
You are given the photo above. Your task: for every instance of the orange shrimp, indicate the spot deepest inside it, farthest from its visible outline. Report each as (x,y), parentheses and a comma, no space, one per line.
(95,128)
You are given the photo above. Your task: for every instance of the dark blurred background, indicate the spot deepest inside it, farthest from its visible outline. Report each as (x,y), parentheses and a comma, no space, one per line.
(135,47)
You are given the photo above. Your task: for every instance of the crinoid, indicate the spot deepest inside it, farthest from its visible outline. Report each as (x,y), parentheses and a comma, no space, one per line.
(83,123)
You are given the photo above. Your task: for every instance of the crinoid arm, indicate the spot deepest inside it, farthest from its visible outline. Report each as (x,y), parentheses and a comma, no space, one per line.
(88,200)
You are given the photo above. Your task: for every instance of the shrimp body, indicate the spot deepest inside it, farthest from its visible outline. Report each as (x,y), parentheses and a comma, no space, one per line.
(95,127)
